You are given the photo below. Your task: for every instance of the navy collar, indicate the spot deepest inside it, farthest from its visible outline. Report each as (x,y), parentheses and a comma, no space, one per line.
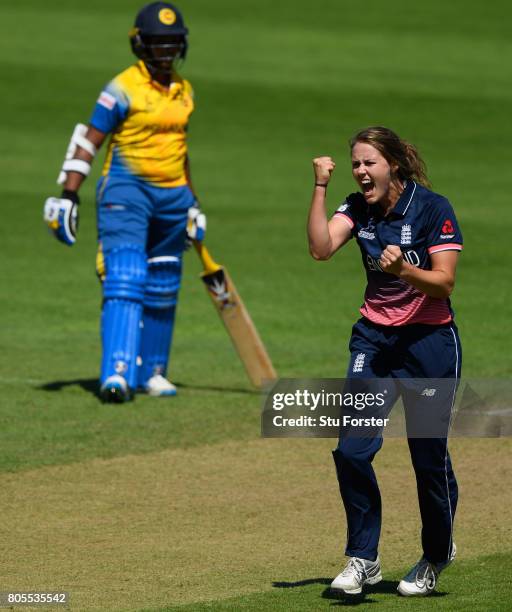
(401,207)
(405,199)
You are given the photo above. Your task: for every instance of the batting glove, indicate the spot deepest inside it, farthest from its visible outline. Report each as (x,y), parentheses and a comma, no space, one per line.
(196,224)
(61,216)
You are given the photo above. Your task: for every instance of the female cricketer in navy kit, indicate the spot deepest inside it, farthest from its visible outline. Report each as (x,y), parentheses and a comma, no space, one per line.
(410,241)
(146,206)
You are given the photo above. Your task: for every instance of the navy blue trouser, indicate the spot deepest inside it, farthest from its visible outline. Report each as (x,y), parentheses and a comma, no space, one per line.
(413,351)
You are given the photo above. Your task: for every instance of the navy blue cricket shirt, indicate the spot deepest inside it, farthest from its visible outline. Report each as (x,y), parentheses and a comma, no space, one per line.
(421,223)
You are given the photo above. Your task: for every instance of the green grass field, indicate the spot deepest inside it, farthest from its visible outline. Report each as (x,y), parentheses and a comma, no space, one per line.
(178,504)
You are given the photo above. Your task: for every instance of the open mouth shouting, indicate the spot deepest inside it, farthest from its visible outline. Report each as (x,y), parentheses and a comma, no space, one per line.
(368,187)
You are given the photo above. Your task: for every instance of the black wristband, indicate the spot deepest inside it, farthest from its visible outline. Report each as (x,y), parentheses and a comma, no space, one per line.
(67,194)
(321,185)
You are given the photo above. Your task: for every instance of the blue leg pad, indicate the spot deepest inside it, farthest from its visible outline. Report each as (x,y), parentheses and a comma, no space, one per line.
(163,283)
(123,291)
(156,341)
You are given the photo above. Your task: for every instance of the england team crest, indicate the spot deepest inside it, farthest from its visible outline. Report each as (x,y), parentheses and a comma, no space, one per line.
(406,234)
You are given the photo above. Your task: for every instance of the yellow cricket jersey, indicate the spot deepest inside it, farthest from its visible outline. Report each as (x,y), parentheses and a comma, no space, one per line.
(148,123)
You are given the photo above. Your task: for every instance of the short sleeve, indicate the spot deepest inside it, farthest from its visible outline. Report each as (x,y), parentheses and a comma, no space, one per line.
(443,231)
(348,210)
(111,108)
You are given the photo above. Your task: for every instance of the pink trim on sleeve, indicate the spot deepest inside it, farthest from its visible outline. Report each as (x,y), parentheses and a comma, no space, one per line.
(451,246)
(345,218)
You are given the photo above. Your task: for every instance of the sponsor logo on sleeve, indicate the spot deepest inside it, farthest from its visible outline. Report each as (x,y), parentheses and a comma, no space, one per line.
(448,231)
(367,232)
(448,227)
(107,100)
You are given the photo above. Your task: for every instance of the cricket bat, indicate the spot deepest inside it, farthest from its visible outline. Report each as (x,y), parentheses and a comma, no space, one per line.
(236,319)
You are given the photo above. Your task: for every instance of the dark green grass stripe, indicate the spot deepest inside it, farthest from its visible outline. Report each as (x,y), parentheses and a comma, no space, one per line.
(262,114)
(63,422)
(481,584)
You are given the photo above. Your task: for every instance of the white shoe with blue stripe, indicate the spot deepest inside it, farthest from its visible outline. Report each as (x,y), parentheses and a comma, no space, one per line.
(158,386)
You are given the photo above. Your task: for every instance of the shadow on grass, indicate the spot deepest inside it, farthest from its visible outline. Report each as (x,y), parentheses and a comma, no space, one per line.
(91,385)
(387,587)
(217,389)
(300,583)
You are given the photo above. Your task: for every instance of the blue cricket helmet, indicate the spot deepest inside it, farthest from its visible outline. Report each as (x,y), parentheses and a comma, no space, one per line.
(159,35)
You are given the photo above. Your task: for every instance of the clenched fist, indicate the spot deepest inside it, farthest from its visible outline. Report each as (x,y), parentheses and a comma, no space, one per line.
(391,260)
(323,167)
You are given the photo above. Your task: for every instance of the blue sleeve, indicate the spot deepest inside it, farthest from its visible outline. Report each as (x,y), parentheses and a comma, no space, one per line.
(349,209)
(111,109)
(442,227)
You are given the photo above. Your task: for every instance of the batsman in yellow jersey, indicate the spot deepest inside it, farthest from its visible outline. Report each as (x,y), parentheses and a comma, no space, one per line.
(146,206)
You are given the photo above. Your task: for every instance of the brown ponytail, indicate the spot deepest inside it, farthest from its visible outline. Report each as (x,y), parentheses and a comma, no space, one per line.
(396,151)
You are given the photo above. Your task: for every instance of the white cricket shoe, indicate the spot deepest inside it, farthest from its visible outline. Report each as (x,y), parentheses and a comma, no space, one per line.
(422,578)
(158,386)
(357,573)
(115,389)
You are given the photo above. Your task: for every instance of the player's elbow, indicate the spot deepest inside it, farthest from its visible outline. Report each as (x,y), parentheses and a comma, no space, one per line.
(445,289)
(449,287)
(319,255)
(443,285)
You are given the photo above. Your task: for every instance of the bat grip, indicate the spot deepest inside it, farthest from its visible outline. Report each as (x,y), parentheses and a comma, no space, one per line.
(208,263)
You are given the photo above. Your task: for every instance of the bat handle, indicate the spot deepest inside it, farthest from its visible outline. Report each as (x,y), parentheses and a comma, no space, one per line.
(208,263)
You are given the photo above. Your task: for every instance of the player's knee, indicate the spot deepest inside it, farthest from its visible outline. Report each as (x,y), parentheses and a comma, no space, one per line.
(353,450)
(125,273)
(345,452)
(163,282)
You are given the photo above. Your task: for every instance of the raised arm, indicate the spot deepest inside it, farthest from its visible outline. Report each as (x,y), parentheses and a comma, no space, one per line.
(325,236)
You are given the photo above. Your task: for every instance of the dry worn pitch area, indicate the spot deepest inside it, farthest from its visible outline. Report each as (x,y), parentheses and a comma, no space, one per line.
(152,530)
